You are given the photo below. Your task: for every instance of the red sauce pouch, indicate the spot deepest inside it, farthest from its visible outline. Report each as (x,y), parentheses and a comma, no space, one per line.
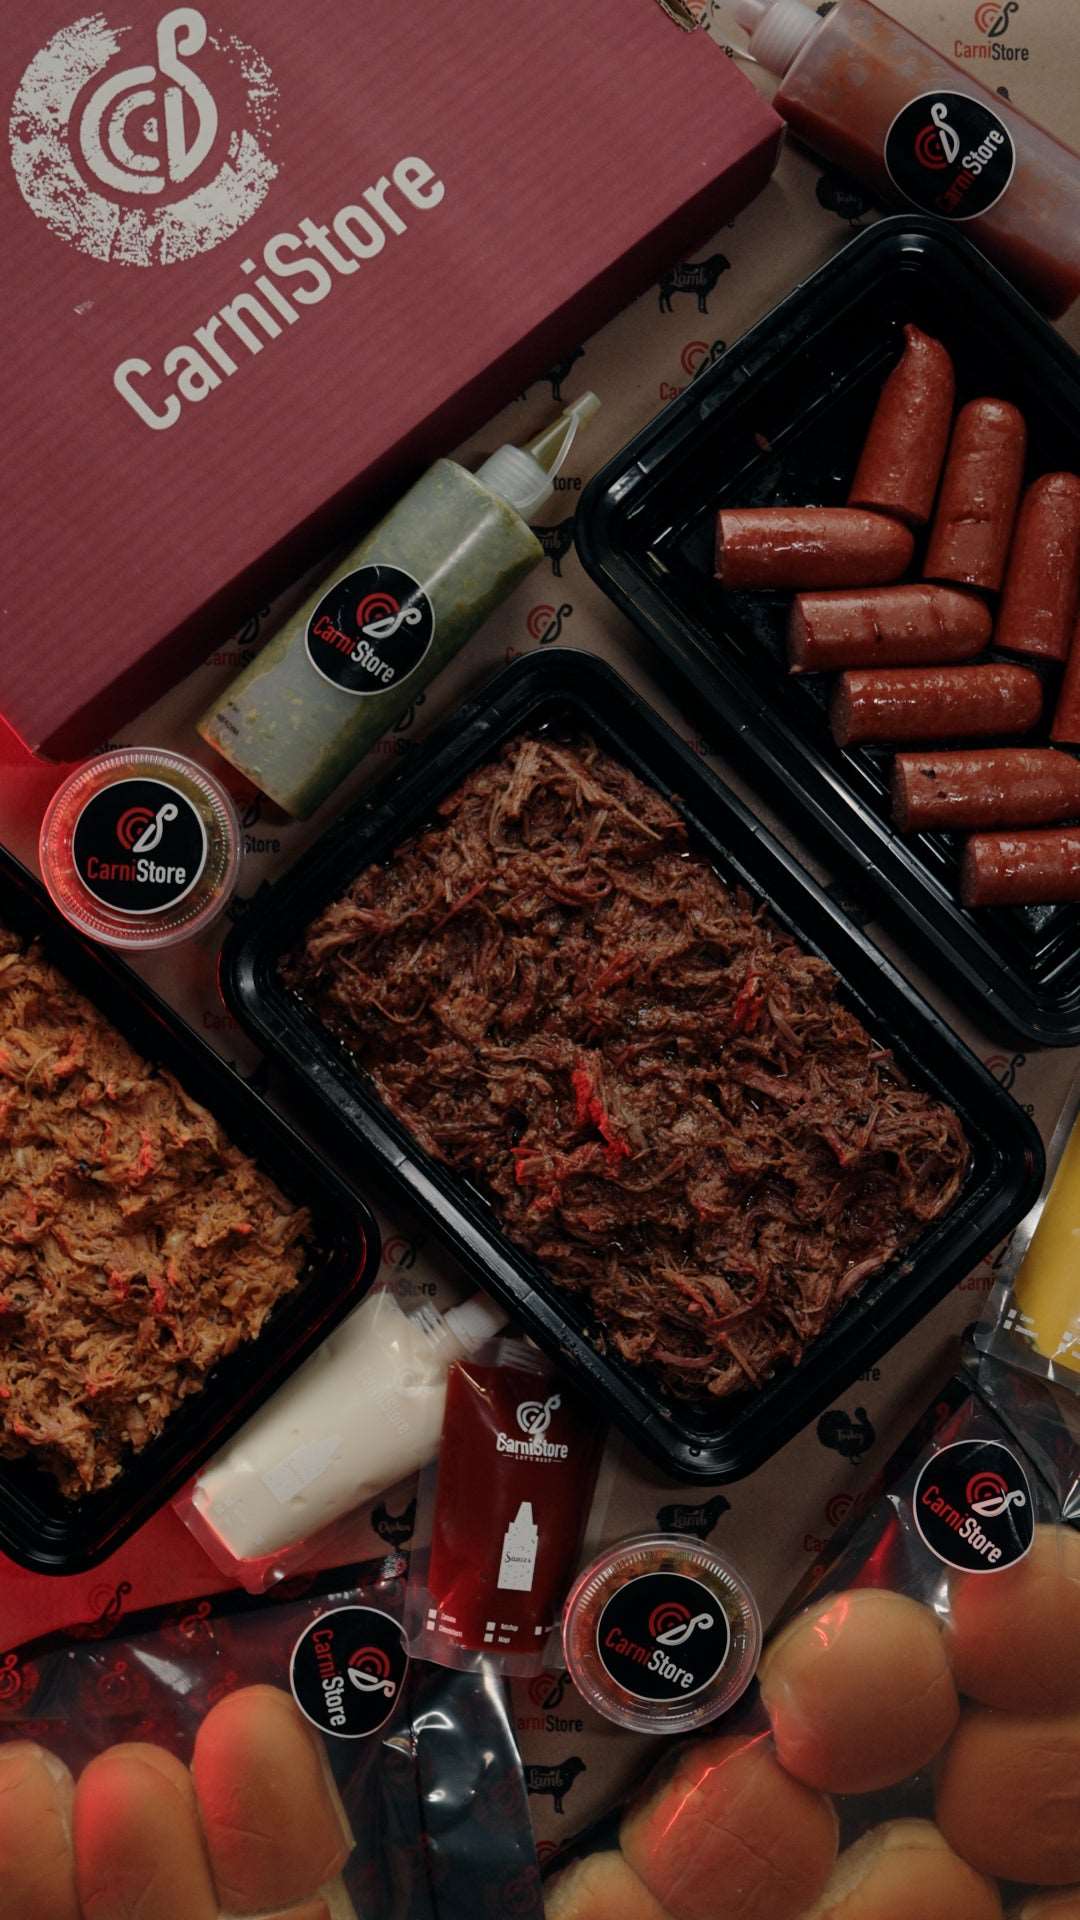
(506,1508)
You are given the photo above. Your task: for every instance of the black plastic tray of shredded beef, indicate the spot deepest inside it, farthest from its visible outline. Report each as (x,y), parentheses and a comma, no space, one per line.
(570,694)
(40,1527)
(779,419)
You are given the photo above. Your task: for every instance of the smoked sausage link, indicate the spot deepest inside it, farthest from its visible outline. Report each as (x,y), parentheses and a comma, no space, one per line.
(1021,869)
(1042,584)
(809,547)
(933,703)
(915,625)
(985,787)
(969,540)
(900,464)
(1066,726)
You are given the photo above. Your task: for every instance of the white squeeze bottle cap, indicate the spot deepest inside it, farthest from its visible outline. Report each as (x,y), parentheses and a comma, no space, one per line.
(778,29)
(525,476)
(476,1320)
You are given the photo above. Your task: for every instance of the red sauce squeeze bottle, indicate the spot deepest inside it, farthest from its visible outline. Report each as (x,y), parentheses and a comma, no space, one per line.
(864,92)
(517,1463)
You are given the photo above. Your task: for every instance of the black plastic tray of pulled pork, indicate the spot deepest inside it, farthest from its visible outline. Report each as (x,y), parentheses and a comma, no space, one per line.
(563,697)
(779,419)
(41,1527)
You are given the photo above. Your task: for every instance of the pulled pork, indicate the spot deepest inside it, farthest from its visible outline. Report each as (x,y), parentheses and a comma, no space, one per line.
(137,1246)
(664,1096)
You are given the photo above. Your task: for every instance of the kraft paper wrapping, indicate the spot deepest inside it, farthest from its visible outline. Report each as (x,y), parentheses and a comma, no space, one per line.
(774,1523)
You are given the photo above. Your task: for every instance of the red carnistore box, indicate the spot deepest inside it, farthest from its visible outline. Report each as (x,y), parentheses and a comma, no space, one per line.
(263,262)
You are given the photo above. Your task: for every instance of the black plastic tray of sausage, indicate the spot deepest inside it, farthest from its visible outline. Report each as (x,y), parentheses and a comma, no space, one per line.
(39,1527)
(574,694)
(779,419)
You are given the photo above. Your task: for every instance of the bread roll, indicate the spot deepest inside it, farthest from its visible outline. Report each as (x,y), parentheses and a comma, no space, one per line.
(311,1910)
(1014,1637)
(905,1870)
(1064,1905)
(138,1848)
(1008,1796)
(602,1887)
(37,1867)
(729,1832)
(272,1817)
(859,1691)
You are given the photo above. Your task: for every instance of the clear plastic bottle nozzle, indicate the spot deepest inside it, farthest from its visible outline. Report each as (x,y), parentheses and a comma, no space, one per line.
(525,476)
(778,29)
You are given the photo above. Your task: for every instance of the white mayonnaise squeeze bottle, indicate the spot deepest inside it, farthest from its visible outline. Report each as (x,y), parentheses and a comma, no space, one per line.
(364,1410)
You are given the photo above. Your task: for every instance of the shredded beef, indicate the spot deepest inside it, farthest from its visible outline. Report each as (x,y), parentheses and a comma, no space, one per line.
(138,1247)
(664,1096)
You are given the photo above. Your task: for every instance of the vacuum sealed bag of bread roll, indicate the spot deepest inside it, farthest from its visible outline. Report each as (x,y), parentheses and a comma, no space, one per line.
(911,1747)
(273,1758)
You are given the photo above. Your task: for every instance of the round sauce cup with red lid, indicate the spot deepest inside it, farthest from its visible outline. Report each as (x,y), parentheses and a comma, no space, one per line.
(140,848)
(661,1634)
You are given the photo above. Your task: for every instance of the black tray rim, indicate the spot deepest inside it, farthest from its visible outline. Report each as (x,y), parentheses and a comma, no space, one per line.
(766,749)
(345,1230)
(1013,1168)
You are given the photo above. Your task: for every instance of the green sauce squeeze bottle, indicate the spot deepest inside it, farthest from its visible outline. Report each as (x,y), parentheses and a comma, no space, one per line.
(354,657)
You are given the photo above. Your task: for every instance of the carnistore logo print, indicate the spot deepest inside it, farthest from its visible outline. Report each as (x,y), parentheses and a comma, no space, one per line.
(369,1671)
(990,1495)
(370,630)
(534,1416)
(652,1617)
(1004,1067)
(347,1671)
(144,161)
(18,1684)
(545,623)
(139,829)
(547,1690)
(992,18)
(950,155)
(140,818)
(973,1507)
(671,1624)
